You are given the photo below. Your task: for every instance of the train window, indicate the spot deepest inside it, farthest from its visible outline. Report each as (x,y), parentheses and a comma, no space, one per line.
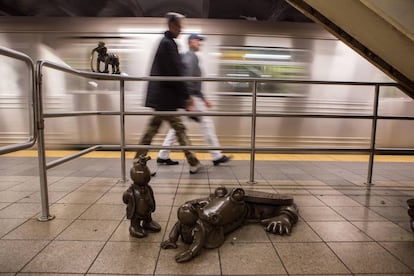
(266,63)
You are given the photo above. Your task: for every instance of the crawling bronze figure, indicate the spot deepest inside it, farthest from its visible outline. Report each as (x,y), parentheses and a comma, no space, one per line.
(204,222)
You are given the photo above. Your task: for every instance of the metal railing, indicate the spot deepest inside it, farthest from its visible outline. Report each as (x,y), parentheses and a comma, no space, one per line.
(253,114)
(31,140)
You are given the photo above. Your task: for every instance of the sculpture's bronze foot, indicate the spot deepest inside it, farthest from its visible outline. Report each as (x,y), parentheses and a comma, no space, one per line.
(137,232)
(151,226)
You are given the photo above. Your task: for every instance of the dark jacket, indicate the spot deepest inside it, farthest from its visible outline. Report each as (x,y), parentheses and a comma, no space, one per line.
(167,95)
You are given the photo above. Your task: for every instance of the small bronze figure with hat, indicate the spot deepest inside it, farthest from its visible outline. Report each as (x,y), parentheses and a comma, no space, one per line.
(140,201)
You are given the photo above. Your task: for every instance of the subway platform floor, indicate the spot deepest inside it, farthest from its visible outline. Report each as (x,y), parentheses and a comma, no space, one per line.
(345,227)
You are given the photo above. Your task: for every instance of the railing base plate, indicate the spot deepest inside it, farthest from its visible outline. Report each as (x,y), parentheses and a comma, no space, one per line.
(43,219)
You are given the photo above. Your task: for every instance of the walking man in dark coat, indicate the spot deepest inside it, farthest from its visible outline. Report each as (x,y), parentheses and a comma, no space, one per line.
(169,95)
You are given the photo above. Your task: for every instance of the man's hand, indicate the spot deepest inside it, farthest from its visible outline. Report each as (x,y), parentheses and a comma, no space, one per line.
(207,103)
(190,104)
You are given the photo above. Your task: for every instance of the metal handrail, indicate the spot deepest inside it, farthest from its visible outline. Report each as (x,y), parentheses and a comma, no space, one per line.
(31,140)
(372,150)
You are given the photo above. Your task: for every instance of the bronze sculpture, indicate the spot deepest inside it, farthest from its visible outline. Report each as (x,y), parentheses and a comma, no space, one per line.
(140,201)
(106,58)
(204,222)
(410,203)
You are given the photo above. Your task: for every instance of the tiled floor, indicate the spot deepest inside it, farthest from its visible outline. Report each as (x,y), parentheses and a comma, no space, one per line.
(344,228)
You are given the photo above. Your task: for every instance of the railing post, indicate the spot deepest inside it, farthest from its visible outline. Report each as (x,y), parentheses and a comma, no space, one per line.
(373,135)
(122,123)
(253,135)
(41,147)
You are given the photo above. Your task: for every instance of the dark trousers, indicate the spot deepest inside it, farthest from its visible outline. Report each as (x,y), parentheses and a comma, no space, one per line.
(175,123)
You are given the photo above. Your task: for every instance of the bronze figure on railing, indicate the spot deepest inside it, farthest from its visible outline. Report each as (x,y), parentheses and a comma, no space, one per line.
(105,57)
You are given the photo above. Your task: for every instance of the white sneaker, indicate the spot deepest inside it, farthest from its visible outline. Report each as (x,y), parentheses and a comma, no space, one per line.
(194,169)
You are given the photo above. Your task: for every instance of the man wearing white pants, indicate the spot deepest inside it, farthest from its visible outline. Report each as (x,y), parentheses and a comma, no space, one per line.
(192,68)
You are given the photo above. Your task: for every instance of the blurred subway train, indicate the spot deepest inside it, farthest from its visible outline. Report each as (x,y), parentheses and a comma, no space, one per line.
(233,48)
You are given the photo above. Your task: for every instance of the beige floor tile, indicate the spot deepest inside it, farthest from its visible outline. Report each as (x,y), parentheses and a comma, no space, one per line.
(94,188)
(26,187)
(81,197)
(104,212)
(127,258)
(248,233)
(12,196)
(223,182)
(203,190)
(15,254)
(318,214)
(163,188)
(36,230)
(308,183)
(89,230)
(373,200)
(48,274)
(65,257)
(163,181)
(106,274)
(384,231)
(301,232)
(96,212)
(358,213)
(67,211)
(164,199)
(367,257)
(36,197)
(324,192)
(281,183)
(20,210)
(291,191)
(207,263)
(122,233)
(102,181)
(309,258)
(64,186)
(307,201)
(111,198)
(7,225)
(404,251)
(338,231)
(392,213)
(194,182)
(339,201)
(8,184)
(250,258)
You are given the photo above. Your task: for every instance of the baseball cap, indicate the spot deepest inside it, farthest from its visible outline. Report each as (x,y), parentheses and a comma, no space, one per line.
(196,36)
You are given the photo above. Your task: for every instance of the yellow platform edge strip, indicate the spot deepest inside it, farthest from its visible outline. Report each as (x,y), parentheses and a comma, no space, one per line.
(236,156)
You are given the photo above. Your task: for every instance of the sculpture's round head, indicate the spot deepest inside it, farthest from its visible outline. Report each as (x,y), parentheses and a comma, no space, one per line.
(139,172)
(225,209)
(187,215)
(220,192)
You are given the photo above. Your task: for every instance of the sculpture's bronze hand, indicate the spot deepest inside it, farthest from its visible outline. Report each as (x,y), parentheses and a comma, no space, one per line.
(278,225)
(168,244)
(184,256)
